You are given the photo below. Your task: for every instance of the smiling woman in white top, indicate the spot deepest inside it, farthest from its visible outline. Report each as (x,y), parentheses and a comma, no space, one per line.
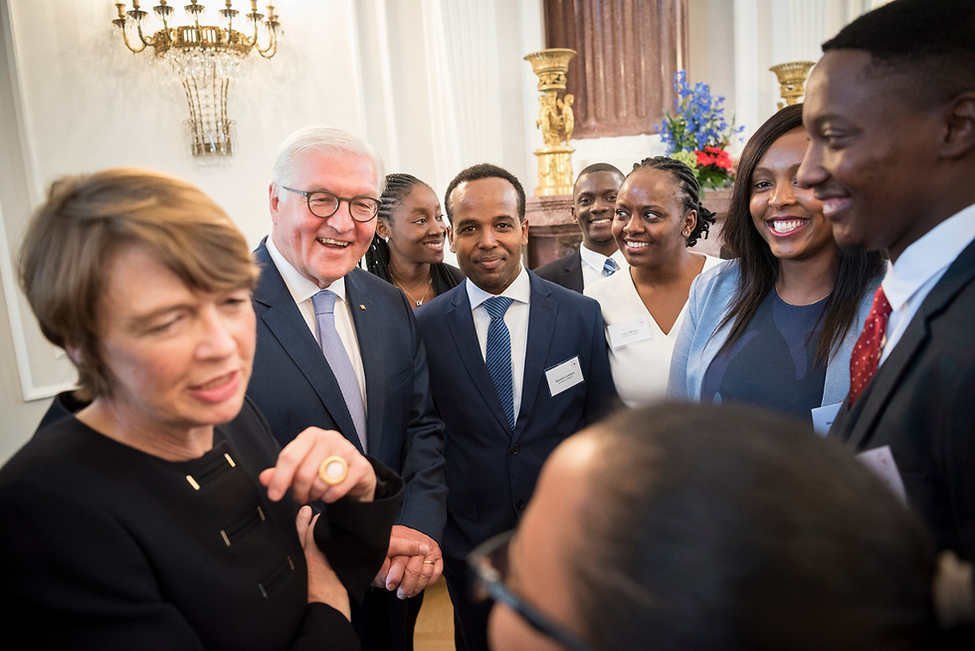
(658,216)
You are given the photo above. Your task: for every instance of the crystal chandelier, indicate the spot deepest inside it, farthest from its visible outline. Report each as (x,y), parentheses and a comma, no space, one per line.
(205,58)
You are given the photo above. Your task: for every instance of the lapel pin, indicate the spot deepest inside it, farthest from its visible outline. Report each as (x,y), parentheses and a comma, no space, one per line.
(362,306)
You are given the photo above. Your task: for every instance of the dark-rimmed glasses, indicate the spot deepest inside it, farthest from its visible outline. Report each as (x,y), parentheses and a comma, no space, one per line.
(324,204)
(489,560)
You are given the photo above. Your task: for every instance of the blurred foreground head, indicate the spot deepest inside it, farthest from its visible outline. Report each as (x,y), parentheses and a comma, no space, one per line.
(700,527)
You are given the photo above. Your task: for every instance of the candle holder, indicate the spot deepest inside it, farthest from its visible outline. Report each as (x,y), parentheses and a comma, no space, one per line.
(556,121)
(792,80)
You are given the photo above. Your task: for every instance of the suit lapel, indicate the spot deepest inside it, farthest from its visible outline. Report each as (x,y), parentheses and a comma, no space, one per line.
(876,397)
(460,325)
(285,322)
(572,273)
(368,331)
(542,312)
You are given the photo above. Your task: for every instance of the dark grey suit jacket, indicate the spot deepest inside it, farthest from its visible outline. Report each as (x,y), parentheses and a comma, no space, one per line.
(921,403)
(294,387)
(566,272)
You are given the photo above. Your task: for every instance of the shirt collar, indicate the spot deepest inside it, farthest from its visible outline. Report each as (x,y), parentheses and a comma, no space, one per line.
(300,287)
(519,290)
(592,258)
(928,256)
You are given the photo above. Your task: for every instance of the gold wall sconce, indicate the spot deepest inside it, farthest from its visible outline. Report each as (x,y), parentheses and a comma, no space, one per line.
(205,57)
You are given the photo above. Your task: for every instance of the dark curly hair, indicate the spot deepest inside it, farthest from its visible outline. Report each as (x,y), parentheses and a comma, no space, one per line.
(485,171)
(690,192)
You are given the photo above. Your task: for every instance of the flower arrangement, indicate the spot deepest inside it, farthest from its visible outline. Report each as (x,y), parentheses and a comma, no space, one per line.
(697,134)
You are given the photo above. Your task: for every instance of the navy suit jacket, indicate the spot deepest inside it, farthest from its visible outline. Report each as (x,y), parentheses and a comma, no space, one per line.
(491,470)
(566,272)
(921,403)
(294,387)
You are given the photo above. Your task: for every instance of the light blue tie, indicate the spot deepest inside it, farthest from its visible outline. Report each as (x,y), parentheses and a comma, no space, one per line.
(338,360)
(498,354)
(609,267)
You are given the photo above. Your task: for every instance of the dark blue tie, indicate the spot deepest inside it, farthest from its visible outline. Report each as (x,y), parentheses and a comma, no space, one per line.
(498,354)
(609,268)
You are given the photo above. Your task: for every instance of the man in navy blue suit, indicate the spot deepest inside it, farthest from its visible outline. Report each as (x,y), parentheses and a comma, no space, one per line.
(517,364)
(338,348)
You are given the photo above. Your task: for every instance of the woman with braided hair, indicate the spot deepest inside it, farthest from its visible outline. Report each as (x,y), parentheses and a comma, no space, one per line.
(407,250)
(658,216)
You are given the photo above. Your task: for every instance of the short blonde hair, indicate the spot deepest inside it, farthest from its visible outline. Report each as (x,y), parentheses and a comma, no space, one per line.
(87,218)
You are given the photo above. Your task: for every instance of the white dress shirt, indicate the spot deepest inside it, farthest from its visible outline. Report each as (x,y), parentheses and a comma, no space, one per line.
(594,264)
(919,268)
(302,290)
(516,318)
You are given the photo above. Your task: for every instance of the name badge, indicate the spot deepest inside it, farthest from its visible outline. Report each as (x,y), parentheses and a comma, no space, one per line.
(624,334)
(564,376)
(823,417)
(881,462)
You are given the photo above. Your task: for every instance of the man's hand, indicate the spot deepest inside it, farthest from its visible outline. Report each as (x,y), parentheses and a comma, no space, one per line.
(405,570)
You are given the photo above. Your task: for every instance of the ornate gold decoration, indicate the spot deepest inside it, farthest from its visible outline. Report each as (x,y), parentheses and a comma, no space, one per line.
(556,121)
(205,58)
(792,80)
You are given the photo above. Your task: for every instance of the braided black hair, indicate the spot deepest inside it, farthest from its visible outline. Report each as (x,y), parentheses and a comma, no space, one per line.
(398,186)
(690,192)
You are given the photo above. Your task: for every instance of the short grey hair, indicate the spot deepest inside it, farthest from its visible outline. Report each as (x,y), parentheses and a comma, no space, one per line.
(326,141)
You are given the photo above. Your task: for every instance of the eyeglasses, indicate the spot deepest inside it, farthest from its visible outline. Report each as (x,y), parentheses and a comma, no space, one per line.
(325,204)
(489,560)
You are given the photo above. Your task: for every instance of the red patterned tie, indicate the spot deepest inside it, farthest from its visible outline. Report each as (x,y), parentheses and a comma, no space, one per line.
(866,354)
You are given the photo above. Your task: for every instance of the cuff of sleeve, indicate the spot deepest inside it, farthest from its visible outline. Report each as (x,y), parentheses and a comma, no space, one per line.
(354,536)
(323,628)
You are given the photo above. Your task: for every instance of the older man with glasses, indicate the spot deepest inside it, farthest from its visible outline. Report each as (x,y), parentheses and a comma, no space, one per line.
(337,348)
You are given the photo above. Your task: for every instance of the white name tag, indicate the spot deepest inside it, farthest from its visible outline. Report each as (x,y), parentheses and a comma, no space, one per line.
(823,417)
(623,334)
(881,462)
(563,376)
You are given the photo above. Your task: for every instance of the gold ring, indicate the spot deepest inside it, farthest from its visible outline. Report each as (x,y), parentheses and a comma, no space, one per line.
(333,470)
(429,562)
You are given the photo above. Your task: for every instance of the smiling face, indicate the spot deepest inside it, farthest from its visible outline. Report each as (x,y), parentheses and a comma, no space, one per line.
(542,554)
(872,155)
(790,219)
(593,202)
(416,229)
(488,235)
(177,359)
(650,218)
(323,250)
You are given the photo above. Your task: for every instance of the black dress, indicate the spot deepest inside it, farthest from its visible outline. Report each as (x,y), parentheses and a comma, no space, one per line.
(103,546)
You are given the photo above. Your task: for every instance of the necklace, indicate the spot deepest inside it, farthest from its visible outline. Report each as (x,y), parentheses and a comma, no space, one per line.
(411,296)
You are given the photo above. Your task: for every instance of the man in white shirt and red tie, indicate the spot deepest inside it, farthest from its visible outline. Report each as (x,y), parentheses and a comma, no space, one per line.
(890,111)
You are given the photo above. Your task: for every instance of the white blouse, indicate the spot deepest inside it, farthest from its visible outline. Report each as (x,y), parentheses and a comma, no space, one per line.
(639,351)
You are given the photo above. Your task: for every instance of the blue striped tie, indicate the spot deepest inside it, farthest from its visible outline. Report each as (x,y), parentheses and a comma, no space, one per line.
(609,268)
(338,360)
(498,354)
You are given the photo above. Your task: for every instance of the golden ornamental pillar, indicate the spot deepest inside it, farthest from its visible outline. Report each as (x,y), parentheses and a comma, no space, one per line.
(555,120)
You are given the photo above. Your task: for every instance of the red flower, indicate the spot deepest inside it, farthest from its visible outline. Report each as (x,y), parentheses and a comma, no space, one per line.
(718,158)
(703,159)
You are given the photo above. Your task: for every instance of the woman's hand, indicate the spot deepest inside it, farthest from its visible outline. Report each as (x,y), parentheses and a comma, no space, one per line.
(323,584)
(298,464)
